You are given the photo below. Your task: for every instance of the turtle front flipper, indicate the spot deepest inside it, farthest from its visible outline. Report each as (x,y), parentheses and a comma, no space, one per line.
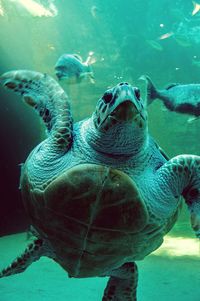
(51,102)
(32,253)
(122,284)
(181,175)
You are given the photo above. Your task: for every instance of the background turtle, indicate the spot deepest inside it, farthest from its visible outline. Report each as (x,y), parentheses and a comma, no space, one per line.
(100,194)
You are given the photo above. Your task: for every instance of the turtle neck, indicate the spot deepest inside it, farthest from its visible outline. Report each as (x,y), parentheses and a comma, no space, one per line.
(122,139)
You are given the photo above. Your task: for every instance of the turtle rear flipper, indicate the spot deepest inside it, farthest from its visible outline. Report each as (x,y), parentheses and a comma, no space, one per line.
(32,253)
(51,102)
(122,284)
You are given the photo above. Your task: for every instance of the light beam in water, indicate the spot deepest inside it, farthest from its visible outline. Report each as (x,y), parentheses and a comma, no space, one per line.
(38,10)
(1,9)
(179,246)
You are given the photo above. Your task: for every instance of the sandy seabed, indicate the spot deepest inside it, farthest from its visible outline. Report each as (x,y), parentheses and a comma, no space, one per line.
(166,275)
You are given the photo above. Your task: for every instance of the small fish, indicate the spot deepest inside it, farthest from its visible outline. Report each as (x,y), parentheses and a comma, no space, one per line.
(181,98)
(154,44)
(196,8)
(196,63)
(51,47)
(184,41)
(72,68)
(95,11)
(166,35)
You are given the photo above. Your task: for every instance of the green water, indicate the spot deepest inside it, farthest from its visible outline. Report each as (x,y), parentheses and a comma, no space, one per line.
(125,36)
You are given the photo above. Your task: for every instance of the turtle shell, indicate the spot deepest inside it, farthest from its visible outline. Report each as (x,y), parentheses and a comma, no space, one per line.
(87,214)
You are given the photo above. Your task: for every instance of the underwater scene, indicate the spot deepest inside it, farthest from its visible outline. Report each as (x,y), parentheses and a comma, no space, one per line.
(100,150)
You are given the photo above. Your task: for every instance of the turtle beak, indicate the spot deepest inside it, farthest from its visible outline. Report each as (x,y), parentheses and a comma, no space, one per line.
(127,105)
(127,97)
(125,111)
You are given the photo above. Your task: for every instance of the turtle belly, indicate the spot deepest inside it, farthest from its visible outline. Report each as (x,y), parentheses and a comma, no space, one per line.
(88,251)
(89,214)
(99,250)
(94,253)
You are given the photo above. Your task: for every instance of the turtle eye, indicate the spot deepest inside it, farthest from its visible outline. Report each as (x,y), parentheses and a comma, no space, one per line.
(137,93)
(107,97)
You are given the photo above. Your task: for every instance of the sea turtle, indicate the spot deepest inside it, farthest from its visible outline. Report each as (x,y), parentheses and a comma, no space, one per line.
(100,193)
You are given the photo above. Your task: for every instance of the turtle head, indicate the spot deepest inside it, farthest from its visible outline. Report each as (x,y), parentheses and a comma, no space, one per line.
(120,105)
(121,116)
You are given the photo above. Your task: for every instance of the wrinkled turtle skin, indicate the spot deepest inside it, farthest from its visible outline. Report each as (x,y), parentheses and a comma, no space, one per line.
(100,193)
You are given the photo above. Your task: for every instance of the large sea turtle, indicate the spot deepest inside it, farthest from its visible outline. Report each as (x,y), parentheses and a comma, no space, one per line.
(100,193)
